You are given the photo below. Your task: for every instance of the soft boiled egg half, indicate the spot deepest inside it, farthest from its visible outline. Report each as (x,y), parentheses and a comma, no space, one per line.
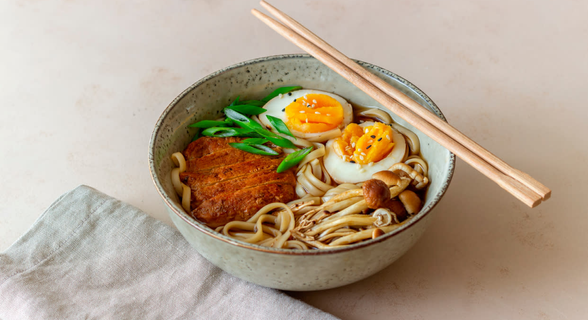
(310,114)
(362,150)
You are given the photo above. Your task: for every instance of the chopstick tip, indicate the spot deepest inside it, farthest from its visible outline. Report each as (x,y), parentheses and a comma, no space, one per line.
(536,203)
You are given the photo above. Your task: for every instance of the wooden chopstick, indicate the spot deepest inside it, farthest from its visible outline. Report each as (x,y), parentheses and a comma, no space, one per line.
(404,100)
(519,190)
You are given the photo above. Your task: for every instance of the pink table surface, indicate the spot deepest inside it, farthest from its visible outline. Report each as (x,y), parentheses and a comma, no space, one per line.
(83,83)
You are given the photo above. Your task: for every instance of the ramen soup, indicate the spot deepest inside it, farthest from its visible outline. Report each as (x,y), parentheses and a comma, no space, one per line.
(301,169)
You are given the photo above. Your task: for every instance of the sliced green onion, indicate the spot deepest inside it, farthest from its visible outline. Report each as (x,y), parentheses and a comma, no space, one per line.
(279,125)
(235,102)
(196,136)
(247,109)
(251,134)
(223,132)
(257,103)
(209,124)
(255,148)
(293,159)
(246,123)
(279,91)
(279,141)
(255,141)
(236,116)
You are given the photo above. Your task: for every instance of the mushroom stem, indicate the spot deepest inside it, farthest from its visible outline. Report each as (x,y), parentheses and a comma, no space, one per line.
(383,216)
(362,235)
(396,190)
(413,174)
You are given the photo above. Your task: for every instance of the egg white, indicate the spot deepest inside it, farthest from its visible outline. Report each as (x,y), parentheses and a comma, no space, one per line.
(275,106)
(346,172)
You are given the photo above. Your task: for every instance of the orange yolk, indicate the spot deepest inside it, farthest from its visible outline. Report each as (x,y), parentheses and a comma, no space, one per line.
(364,145)
(314,113)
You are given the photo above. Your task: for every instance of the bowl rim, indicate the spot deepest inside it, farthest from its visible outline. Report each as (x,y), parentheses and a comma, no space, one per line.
(296,252)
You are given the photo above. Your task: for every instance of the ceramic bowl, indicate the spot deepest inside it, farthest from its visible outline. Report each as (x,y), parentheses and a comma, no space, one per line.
(298,270)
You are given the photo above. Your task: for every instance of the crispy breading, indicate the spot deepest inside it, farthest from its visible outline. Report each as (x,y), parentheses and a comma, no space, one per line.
(229,184)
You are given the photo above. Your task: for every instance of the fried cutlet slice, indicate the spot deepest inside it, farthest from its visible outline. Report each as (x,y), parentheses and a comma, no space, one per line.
(228,184)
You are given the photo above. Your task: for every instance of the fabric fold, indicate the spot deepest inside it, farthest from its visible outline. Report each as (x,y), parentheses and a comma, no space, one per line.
(92,256)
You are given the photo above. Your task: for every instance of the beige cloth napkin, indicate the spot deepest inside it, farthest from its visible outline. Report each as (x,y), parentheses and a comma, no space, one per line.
(90,256)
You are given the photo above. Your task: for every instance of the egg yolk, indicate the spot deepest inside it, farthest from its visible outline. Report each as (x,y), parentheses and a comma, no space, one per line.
(314,113)
(364,145)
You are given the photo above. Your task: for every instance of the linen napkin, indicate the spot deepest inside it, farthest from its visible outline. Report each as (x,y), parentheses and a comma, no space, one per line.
(92,256)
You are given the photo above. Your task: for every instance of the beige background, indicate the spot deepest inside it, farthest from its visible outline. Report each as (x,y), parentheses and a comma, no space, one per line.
(82,84)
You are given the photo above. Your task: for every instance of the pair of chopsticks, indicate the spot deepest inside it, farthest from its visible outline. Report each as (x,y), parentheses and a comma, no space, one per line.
(516,182)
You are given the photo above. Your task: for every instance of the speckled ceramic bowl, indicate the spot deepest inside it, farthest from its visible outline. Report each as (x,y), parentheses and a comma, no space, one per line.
(279,268)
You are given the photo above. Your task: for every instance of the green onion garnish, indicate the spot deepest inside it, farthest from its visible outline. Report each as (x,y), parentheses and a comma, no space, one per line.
(255,148)
(196,136)
(209,124)
(258,134)
(293,159)
(247,109)
(236,116)
(246,123)
(223,132)
(279,125)
(278,141)
(235,102)
(257,103)
(255,141)
(278,91)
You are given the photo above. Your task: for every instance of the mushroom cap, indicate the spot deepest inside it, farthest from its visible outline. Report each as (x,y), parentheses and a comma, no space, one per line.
(397,208)
(411,201)
(377,232)
(375,192)
(390,178)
